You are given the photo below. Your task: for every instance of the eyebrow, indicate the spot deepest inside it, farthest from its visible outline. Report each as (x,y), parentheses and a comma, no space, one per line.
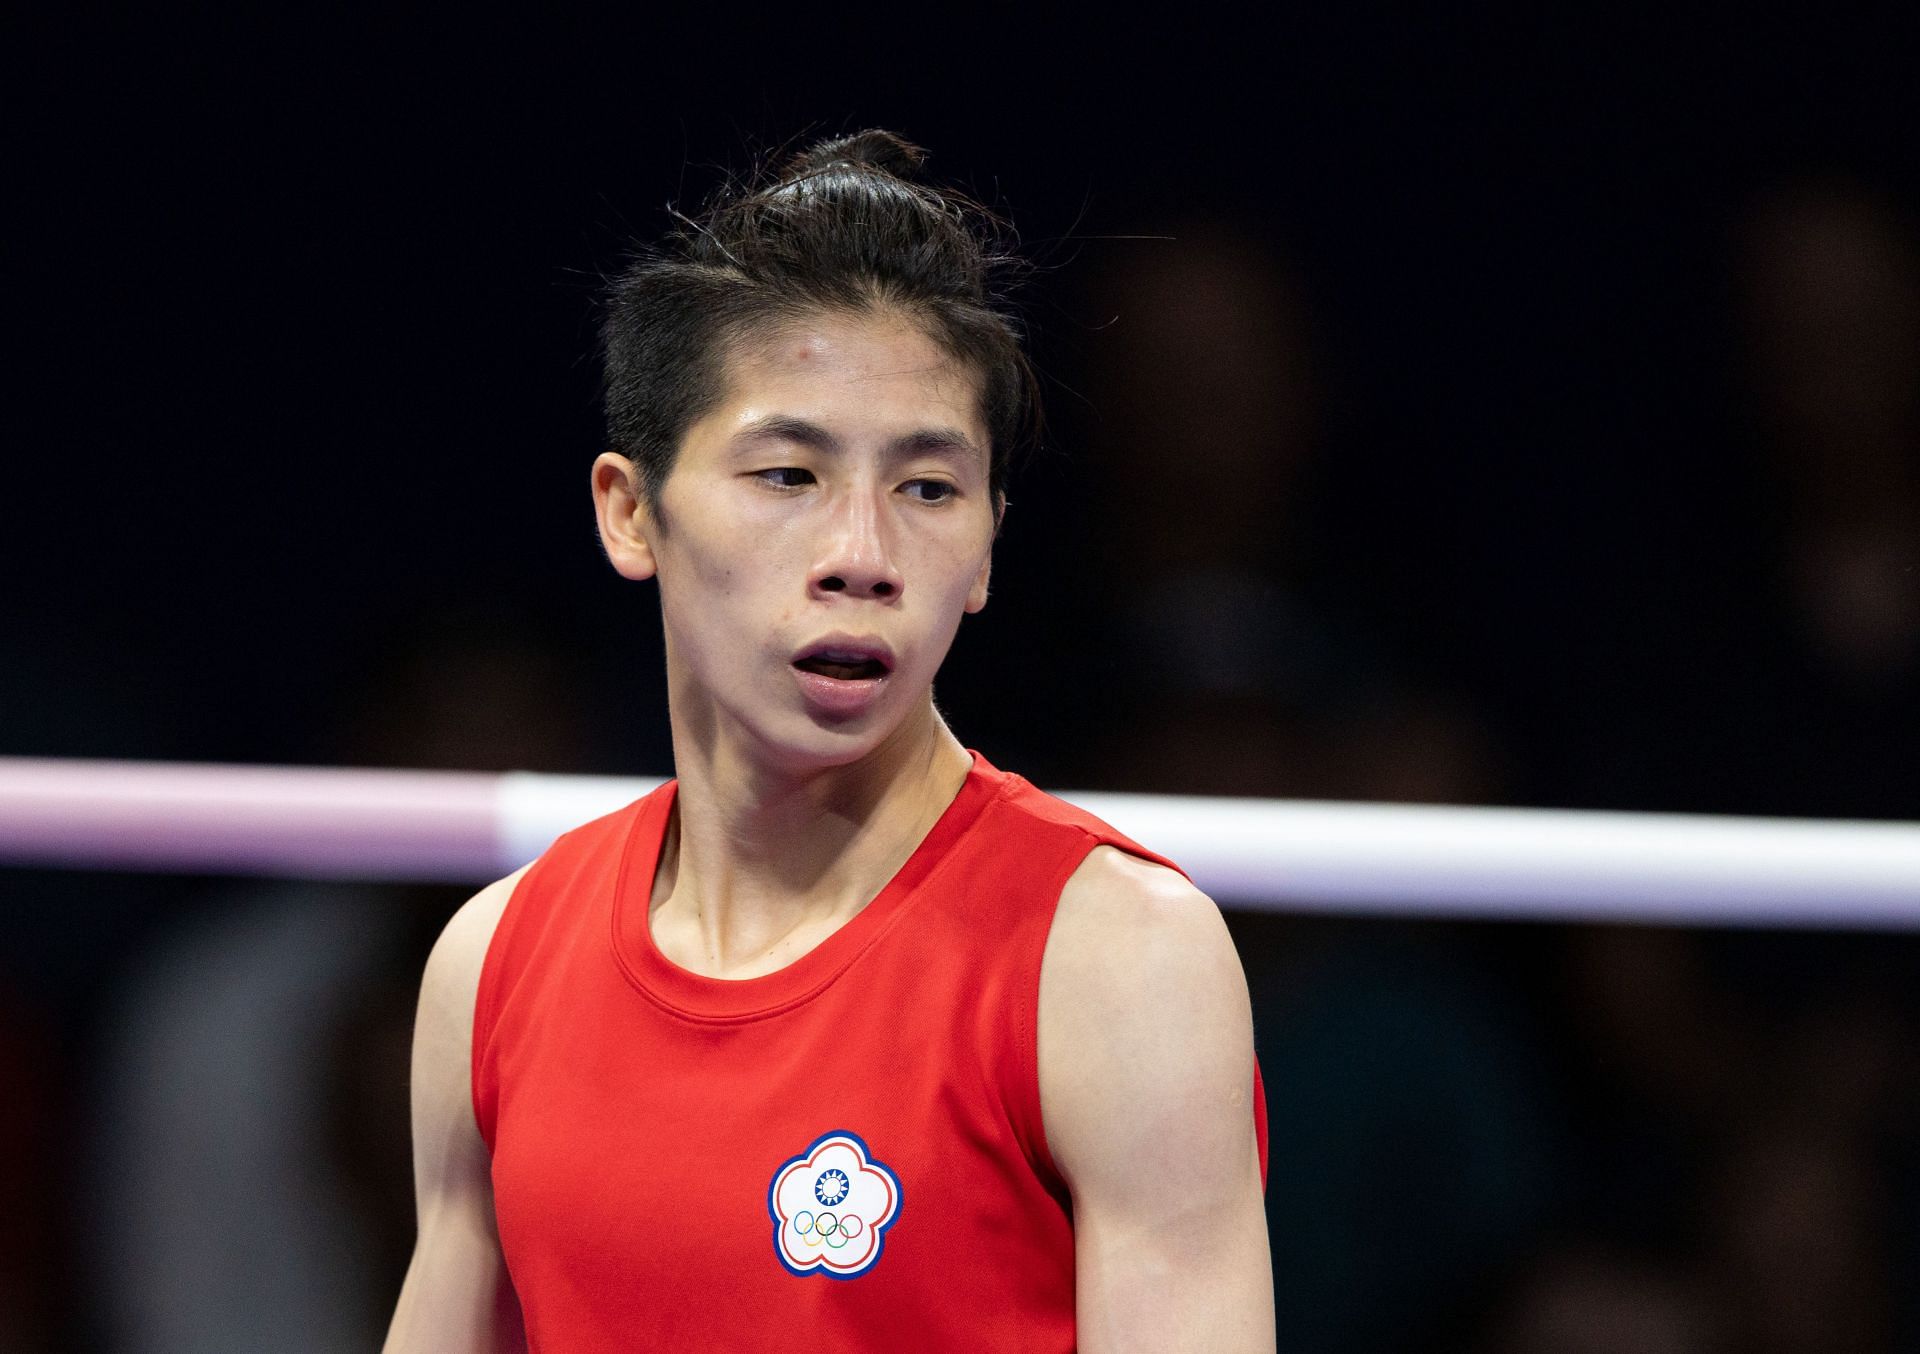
(922,441)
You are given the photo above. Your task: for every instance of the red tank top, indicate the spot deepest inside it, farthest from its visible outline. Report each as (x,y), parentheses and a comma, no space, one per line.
(843,1154)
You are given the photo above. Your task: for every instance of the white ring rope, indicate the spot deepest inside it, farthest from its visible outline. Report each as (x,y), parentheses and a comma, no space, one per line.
(1274,855)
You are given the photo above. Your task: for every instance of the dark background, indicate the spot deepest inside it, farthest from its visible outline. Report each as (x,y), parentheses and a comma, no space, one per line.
(1516,408)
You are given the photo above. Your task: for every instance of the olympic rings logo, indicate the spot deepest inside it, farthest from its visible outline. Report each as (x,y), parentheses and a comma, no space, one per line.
(826,1229)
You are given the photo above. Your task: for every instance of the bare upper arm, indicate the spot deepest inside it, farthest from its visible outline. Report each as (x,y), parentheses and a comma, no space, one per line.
(457,1294)
(1146,1083)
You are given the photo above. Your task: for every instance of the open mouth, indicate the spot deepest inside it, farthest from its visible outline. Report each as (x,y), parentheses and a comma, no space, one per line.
(844,668)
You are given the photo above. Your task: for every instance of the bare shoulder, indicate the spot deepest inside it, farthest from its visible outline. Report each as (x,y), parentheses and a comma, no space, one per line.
(1146,1073)
(1143,1009)
(457,1294)
(443,1025)
(1122,917)
(462,947)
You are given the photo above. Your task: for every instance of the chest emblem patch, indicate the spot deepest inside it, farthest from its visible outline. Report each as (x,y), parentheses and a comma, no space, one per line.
(831,1207)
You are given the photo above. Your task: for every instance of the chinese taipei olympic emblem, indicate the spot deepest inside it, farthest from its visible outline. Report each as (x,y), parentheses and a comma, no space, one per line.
(831,1207)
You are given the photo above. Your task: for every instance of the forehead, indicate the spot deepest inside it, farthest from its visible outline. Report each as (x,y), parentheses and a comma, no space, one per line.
(879,372)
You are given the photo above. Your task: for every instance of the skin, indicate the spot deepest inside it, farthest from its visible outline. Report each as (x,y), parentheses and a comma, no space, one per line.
(876,520)
(764,544)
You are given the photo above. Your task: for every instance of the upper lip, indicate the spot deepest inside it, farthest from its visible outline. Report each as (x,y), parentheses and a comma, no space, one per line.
(848,649)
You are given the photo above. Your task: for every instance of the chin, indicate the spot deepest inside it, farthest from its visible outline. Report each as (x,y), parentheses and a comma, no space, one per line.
(793,738)
(804,743)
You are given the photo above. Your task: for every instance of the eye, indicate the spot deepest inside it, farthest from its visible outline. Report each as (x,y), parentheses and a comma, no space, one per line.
(785,476)
(942,490)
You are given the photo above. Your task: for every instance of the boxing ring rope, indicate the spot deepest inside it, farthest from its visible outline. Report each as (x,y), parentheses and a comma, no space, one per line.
(1275,855)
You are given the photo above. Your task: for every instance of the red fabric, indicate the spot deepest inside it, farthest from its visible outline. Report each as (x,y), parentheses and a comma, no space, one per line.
(674,1155)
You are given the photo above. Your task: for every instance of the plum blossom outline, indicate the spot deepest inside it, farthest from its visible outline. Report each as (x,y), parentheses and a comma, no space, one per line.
(867,1163)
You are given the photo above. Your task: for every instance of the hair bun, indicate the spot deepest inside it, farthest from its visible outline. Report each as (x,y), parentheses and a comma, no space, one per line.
(871,149)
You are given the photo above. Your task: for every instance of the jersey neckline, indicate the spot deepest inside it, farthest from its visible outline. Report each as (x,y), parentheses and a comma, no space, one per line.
(701,997)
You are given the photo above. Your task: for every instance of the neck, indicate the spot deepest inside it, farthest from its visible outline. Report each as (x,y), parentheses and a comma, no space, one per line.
(758,857)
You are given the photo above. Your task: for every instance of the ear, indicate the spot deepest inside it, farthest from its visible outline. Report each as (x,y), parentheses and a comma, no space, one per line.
(626,527)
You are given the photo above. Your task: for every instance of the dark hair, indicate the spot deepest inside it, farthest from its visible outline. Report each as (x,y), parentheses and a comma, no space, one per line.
(844,226)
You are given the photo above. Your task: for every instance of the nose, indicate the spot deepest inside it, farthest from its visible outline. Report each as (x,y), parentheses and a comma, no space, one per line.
(856,556)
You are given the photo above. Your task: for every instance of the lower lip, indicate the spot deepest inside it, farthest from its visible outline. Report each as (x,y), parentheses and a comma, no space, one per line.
(838,696)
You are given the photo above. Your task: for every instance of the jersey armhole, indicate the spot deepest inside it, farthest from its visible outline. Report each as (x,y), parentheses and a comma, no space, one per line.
(1029,1118)
(483,1081)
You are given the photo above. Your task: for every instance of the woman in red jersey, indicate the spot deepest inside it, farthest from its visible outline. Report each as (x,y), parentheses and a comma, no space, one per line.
(844,1038)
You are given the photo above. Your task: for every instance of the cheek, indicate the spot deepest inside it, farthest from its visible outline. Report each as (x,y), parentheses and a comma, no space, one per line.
(733,598)
(701,592)
(960,584)
(950,574)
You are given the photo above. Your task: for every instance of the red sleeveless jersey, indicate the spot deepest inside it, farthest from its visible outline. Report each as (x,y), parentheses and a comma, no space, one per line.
(844,1154)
